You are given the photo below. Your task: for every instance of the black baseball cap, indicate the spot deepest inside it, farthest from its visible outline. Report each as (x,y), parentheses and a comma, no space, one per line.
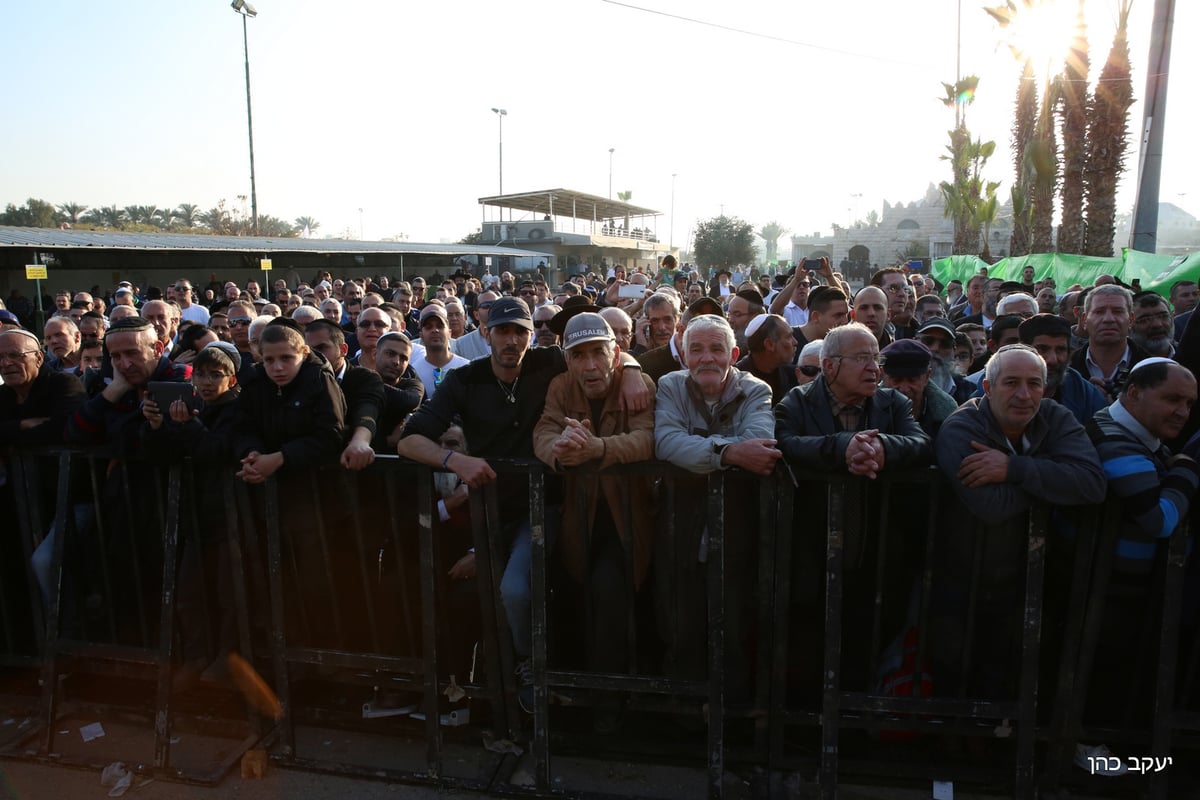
(510,311)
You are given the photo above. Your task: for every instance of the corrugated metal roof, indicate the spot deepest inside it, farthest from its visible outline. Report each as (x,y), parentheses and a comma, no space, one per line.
(568,203)
(54,238)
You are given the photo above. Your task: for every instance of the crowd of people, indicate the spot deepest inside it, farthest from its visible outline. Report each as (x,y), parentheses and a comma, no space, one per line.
(1017,393)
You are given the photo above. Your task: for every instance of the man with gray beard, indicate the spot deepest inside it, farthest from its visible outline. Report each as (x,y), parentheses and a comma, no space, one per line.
(1152,327)
(938,335)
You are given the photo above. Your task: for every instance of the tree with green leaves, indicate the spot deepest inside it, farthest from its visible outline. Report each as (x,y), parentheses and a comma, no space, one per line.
(1073,114)
(1107,141)
(771,233)
(217,219)
(476,237)
(188,215)
(108,217)
(34,214)
(965,195)
(72,211)
(723,242)
(307,222)
(1023,127)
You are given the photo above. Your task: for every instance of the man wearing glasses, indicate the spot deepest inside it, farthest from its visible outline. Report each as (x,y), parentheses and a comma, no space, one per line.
(240,314)
(474,345)
(372,323)
(844,421)
(193,312)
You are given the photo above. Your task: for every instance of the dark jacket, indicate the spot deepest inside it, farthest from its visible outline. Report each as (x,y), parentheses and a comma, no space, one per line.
(657,362)
(1136,354)
(56,395)
(810,437)
(303,420)
(1059,466)
(363,390)
(117,424)
(207,440)
(398,402)
(782,379)
(938,406)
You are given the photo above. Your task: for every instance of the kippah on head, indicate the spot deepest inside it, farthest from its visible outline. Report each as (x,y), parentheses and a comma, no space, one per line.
(1043,325)
(126,324)
(21,331)
(226,350)
(1146,362)
(393,336)
(286,322)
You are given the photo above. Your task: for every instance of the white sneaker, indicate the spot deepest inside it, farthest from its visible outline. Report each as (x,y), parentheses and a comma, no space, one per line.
(1097,759)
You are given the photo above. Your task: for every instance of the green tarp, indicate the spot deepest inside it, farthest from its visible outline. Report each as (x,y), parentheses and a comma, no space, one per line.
(1155,272)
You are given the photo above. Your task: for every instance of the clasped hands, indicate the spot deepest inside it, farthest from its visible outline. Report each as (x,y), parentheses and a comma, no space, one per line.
(865,455)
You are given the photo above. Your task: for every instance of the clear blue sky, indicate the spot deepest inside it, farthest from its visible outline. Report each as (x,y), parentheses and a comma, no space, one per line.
(385,106)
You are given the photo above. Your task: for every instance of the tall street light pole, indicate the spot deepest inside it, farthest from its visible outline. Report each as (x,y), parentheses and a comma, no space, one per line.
(673,210)
(500,115)
(610,152)
(246,10)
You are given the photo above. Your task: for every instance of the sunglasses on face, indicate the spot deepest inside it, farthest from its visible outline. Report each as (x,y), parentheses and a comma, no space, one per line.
(239,321)
(809,370)
(539,323)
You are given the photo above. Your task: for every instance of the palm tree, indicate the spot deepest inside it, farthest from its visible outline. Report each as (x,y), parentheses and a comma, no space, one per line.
(1023,128)
(216,219)
(166,218)
(1043,156)
(307,222)
(72,211)
(1107,140)
(985,217)
(108,216)
(188,214)
(771,233)
(1073,111)
(624,197)
(273,226)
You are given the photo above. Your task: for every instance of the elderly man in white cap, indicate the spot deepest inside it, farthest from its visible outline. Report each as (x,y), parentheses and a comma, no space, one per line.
(584,423)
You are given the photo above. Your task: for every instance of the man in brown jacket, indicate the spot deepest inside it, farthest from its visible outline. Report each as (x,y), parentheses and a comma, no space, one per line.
(607,527)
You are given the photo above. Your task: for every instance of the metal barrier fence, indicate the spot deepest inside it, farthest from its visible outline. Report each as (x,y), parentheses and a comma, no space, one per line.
(780,616)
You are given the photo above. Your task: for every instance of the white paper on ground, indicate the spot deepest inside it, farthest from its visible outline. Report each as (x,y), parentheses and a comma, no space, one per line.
(93,731)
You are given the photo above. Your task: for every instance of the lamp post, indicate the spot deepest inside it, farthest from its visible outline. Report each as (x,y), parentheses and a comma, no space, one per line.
(360,225)
(500,115)
(246,10)
(610,152)
(672,211)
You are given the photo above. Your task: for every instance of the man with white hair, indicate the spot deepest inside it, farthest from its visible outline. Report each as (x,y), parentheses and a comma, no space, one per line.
(711,417)
(63,343)
(331,309)
(304,315)
(808,363)
(844,420)
(1019,303)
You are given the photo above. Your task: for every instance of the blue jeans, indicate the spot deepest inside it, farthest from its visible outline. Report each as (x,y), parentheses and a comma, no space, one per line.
(516,585)
(42,556)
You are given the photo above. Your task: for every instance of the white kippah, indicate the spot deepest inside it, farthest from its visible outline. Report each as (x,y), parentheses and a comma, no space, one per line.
(37,342)
(755,324)
(1145,362)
